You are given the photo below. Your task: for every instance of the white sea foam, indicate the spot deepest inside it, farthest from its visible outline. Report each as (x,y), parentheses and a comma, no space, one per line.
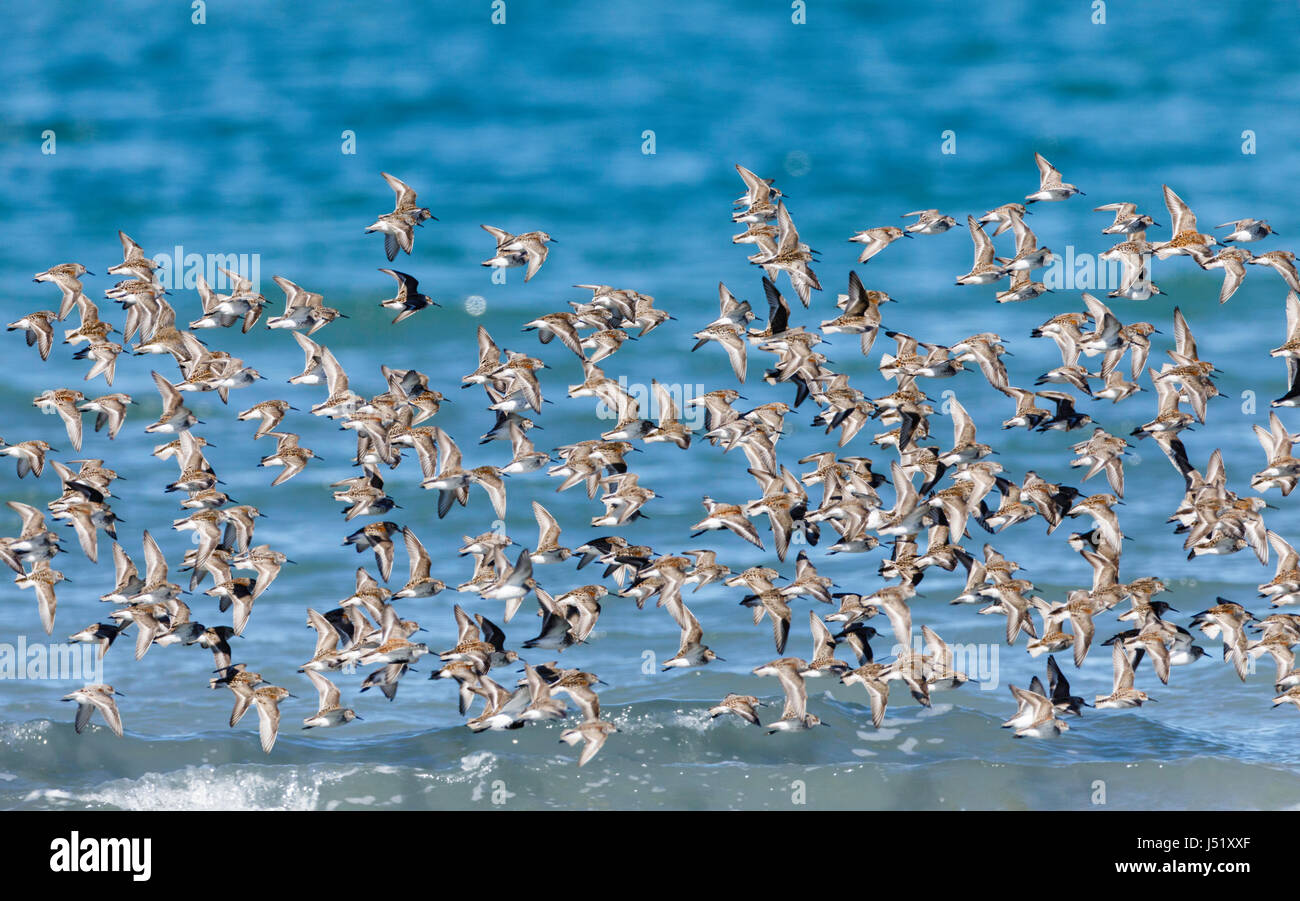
(881,734)
(207,788)
(696,720)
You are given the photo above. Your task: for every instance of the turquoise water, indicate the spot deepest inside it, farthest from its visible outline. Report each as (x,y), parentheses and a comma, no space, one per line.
(227,138)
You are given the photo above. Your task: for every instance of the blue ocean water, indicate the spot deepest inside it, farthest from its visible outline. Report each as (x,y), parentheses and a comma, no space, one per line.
(227,137)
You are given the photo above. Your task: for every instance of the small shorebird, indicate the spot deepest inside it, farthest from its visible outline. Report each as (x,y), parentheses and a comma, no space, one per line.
(548,548)
(732,340)
(794,716)
(397,227)
(983,271)
(1123,694)
(134,260)
(1186,240)
(270,412)
(1059,691)
(739,705)
(877,239)
(592,735)
(37,330)
(64,402)
(861,314)
(302,308)
(175,416)
(1003,216)
(670,428)
(1246,230)
(420,584)
(1023,287)
(268,698)
(823,662)
(1291,695)
(512,585)
(874,677)
(526,249)
(109,410)
(1128,220)
(789,255)
(289,455)
(96,697)
(1029,255)
(330,712)
(940,675)
(379,537)
(1035,716)
(757,190)
(29,454)
(101,634)
(43,578)
(1050,186)
(691,650)
(1283,263)
(929,222)
(408,300)
(68,278)
(1233,262)
(1104,451)
(265,562)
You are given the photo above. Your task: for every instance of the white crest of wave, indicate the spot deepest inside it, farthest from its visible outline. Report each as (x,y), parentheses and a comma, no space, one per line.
(696,720)
(211,788)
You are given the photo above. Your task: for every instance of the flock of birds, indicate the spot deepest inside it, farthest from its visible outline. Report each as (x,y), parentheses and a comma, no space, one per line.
(934,494)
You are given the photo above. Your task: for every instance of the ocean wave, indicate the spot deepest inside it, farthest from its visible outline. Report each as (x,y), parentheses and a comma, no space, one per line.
(664,756)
